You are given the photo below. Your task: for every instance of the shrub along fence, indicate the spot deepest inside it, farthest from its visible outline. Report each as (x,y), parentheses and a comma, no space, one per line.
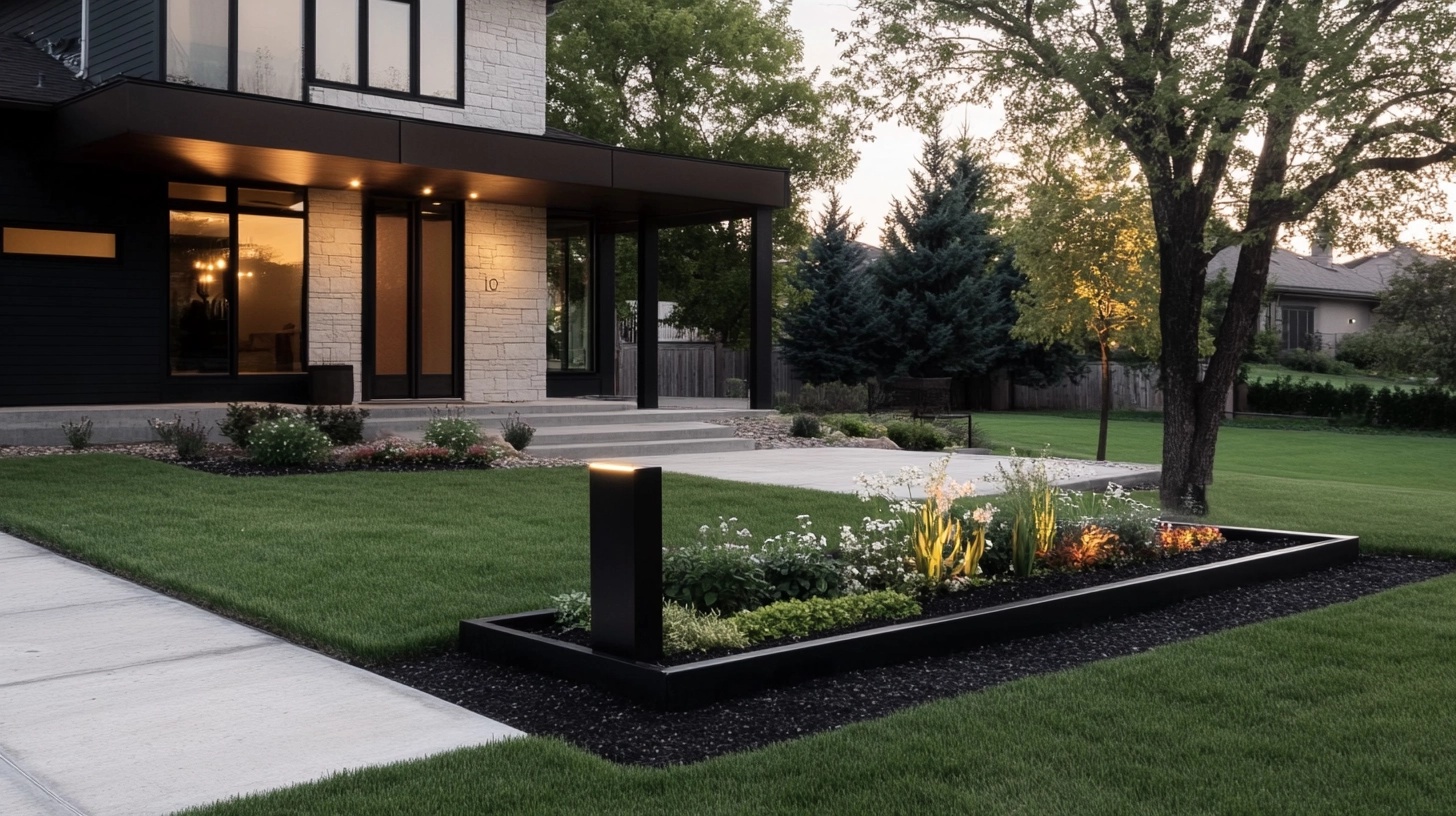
(1427,409)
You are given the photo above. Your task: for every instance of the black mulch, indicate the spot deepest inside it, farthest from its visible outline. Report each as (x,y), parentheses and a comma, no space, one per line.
(626,732)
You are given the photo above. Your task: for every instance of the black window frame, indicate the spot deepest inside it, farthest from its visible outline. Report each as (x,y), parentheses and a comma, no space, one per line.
(310,31)
(232,210)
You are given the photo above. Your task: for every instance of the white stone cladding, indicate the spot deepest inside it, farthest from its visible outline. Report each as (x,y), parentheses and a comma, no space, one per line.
(336,279)
(505,73)
(505,303)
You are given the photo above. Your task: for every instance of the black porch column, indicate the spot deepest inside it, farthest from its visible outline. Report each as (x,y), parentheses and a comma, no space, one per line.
(760,312)
(605,254)
(646,313)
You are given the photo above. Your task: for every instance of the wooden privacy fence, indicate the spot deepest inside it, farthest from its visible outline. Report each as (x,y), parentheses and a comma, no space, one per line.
(692,370)
(1134,388)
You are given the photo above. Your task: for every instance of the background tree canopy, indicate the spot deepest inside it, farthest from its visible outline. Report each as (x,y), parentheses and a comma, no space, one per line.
(714,79)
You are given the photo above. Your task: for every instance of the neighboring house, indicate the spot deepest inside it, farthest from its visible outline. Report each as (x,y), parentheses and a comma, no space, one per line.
(199,199)
(1314,303)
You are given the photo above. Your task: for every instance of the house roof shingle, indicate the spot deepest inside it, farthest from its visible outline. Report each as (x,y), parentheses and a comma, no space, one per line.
(29,75)
(1295,274)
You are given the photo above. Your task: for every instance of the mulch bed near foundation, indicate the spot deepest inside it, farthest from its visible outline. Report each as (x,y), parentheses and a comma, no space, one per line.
(622,731)
(226,460)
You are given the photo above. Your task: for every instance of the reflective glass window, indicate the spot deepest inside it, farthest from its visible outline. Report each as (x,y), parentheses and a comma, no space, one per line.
(197,42)
(439,38)
(336,40)
(199,310)
(569,321)
(270,48)
(389,45)
(270,293)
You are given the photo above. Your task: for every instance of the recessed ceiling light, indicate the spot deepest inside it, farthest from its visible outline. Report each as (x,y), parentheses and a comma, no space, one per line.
(355,184)
(474,196)
(429,190)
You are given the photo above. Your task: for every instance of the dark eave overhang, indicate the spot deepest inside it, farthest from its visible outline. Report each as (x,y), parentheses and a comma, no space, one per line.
(1327,294)
(201,134)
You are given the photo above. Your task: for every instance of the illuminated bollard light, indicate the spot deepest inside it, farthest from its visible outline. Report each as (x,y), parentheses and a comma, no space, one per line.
(626,560)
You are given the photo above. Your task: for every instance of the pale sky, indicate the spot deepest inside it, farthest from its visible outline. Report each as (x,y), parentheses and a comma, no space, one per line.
(884,166)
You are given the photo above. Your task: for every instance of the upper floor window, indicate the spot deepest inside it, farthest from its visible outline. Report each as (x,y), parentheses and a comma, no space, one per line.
(254,46)
(397,46)
(408,47)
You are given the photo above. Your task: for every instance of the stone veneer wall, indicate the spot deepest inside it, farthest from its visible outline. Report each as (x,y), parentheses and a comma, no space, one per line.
(336,279)
(505,303)
(505,73)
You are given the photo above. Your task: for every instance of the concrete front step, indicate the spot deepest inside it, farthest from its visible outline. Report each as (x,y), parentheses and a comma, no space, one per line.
(646,432)
(401,423)
(629,450)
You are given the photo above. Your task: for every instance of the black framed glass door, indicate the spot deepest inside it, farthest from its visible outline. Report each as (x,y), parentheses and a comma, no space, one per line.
(413,293)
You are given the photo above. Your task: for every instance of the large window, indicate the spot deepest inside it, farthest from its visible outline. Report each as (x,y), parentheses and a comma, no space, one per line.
(409,47)
(253,46)
(569,285)
(236,280)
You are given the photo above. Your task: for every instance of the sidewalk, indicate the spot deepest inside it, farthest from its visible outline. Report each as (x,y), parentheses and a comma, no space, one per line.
(117,700)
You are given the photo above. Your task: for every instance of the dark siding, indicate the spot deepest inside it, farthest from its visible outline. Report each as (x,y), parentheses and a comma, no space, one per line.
(84,332)
(124,39)
(41,20)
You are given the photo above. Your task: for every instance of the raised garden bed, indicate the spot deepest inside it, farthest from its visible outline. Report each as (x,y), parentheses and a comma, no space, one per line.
(518,639)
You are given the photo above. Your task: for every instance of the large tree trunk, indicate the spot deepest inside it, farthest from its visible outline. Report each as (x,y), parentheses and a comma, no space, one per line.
(1183,263)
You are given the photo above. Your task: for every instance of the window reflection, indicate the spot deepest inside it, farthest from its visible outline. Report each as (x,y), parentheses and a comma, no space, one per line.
(438,40)
(270,293)
(389,45)
(569,336)
(197,42)
(270,48)
(336,40)
(199,310)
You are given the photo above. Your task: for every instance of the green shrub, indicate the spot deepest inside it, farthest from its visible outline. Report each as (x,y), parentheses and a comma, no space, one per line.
(1313,361)
(833,398)
(452,432)
(242,417)
(917,436)
(805,426)
(687,630)
(189,438)
(798,618)
(517,432)
(784,404)
(1264,348)
(78,433)
(573,610)
(735,388)
(291,441)
(723,578)
(796,569)
(342,424)
(855,426)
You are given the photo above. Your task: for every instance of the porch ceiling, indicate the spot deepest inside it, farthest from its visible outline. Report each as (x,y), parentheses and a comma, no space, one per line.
(197,133)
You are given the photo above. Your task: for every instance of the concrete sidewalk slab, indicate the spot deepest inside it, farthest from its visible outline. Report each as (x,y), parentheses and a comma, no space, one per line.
(835,469)
(117,700)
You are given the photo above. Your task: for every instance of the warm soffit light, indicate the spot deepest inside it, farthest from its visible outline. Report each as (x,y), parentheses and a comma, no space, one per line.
(355,184)
(474,196)
(429,191)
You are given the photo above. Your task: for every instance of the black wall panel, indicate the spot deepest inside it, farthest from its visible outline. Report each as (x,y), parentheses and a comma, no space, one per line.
(41,20)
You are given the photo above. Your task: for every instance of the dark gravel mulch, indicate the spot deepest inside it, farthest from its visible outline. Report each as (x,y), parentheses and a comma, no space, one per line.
(623,731)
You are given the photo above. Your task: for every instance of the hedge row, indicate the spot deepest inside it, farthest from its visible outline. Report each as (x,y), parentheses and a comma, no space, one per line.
(1426,409)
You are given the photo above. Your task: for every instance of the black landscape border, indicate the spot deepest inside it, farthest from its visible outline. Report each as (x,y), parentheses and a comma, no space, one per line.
(504,638)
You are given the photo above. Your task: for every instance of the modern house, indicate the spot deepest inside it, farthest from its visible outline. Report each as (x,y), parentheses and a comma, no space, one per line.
(1313,301)
(201,199)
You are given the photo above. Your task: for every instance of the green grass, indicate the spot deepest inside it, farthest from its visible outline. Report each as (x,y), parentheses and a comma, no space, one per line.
(368,565)
(1346,710)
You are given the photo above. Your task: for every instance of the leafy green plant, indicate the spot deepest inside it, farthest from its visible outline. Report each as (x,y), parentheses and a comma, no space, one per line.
(805,426)
(918,436)
(189,438)
(517,432)
(242,417)
(290,441)
(855,426)
(452,432)
(484,454)
(735,388)
(833,398)
(685,629)
(78,433)
(798,618)
(573,610)
(722,578)
(344,425)
(784,403)
(794,568)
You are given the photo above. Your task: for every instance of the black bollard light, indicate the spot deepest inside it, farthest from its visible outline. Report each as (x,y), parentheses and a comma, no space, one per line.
(626,560)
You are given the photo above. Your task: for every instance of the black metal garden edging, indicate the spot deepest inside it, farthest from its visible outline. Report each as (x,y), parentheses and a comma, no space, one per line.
(507,639)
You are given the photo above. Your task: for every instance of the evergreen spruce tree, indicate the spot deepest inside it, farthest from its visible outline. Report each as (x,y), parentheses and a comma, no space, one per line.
(829,337)
(944,313)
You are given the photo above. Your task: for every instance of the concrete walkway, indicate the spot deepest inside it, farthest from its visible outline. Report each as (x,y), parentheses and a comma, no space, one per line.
(117,700)
(835,469)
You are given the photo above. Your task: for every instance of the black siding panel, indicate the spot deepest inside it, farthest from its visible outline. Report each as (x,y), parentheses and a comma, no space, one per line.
(125,36)
(41,20)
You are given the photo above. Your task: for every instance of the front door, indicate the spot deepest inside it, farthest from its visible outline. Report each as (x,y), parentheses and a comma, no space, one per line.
(413,293)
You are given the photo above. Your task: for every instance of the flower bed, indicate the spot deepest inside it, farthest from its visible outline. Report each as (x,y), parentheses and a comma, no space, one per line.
(519,639)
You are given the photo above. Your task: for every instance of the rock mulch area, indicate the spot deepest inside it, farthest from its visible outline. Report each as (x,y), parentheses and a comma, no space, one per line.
(772,432)
(623,731)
